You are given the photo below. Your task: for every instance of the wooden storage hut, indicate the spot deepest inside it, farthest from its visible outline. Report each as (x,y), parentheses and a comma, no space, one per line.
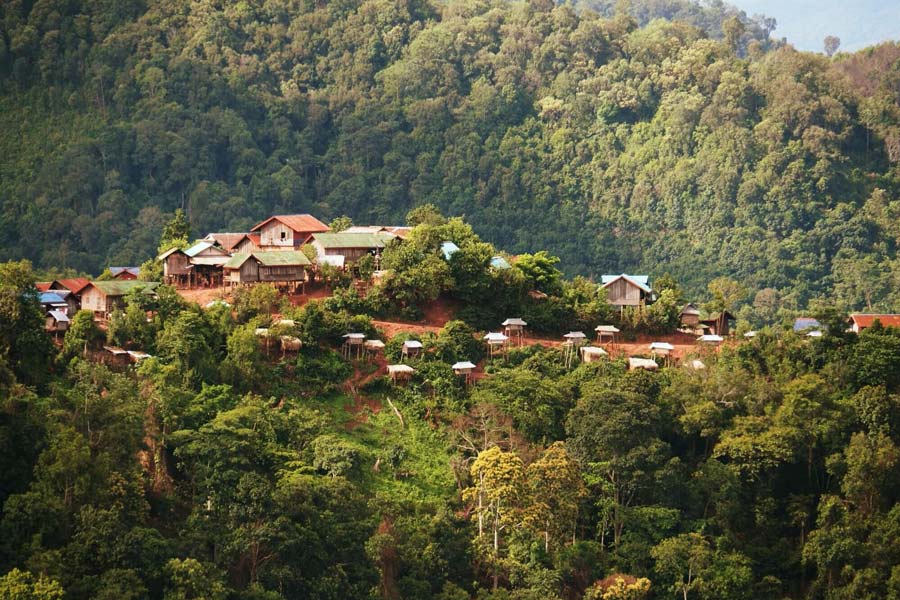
(641,363)
(661,348)
(592,353)
(496,342)
(57,321)
(609,331)
(627,290)
(464,369)
(400,372)
(710,339)
(411,349)
(514,328)
(353,343)
(690,315)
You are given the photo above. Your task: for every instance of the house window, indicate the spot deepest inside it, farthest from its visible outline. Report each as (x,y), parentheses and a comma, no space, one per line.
(283,235)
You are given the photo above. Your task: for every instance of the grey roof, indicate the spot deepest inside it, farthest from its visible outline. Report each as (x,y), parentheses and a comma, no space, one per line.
(449,249)
(59,316)
(803,323)
(514,321)
(412,344)
(463,365)
(498,262)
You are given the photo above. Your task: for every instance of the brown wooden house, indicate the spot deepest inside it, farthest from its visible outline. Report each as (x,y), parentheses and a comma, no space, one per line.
(104,297)
(287,232)
(627,290)
(283,268)
(718,323)
(241,269)
(207,260)
(352,246)
(176,267)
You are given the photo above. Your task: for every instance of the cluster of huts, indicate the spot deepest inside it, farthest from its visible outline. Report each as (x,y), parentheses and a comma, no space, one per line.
(271,253)
(62,298)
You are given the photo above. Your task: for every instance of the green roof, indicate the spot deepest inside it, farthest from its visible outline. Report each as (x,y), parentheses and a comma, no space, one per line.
(285,258)
(123,288)
(353,240)
(236,261)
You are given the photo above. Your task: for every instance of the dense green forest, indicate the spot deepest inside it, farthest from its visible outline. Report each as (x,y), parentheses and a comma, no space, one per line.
(224,468)
(614,146)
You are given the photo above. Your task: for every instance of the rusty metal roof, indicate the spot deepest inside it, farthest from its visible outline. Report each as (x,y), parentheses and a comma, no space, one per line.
(299,223)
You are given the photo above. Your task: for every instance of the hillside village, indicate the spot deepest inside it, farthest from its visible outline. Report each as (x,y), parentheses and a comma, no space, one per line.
(287,253)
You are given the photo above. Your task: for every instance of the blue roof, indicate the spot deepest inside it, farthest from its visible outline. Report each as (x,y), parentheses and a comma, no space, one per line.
(498,262)
(804,323)
(449,249)
(198,248)
(51,298)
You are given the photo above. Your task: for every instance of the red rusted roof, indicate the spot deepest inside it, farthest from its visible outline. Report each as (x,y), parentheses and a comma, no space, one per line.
(299,223)
(254,237)
(43,286)
(864,321)
(74,285)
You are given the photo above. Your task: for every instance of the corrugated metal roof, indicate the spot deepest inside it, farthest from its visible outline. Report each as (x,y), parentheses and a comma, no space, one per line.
(862,321)
(51,298)
(169,253)
(236,261)
(498,262)
(637,280)
(334,260)
(285,258)
(226,240)
(200,247)
(60,316)
(449,249)
(119,270)
(43,286)
(463,365)
(353,240)
(803,323)
(123,288)
(299,223)
(75,284)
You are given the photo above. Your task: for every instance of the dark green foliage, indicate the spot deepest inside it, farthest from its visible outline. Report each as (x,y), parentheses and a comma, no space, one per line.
(588,139)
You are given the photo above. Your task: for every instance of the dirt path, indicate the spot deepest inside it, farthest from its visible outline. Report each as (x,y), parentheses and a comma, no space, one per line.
(361,402)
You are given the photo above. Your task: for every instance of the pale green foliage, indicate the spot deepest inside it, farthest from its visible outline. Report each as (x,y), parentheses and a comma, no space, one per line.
(22,585)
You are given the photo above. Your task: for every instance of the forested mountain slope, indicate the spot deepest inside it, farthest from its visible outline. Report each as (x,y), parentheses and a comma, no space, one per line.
(615,147)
